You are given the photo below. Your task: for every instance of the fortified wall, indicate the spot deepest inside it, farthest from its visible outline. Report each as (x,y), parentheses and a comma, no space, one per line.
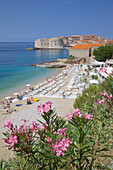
(49,43)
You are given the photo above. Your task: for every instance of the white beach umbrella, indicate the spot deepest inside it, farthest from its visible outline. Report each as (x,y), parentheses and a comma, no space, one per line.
(15,100)
(16,93)
(24,98)
(27,85)
(93,81)
(8,97)
(92,73)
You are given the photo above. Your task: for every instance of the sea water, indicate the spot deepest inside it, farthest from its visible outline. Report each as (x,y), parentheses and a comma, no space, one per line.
(15,65)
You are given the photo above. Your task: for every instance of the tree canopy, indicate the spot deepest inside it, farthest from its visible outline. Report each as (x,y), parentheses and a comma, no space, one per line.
(103,53)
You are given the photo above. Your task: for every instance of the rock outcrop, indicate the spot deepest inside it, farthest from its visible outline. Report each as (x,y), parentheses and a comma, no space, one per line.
(60,63)
(51,65)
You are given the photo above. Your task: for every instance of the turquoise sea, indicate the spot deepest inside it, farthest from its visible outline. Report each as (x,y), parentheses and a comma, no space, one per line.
(15,65)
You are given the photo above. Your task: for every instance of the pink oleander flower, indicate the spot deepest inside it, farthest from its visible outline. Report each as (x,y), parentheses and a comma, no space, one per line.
(88,116)
(49,103)
(100,102)
(61,146)
(62,132)
(104,93)
(25,120)
(8,123)
(78,113)
(110,96)
(40,109)
(13,140)
(49,139)
(59,152)
(35,126)
(6,140)
(102,70)
(69,116)
(46,108)
(45,126)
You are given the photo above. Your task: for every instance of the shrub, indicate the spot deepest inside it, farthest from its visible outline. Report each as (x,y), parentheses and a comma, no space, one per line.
(71,57)
(94,77)
(103,53)
(84,60)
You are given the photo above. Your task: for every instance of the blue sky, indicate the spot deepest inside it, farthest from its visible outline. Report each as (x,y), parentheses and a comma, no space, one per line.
(27,20)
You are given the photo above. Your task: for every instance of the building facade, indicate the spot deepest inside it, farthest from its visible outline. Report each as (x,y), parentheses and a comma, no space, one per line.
(83,50)
(49,43)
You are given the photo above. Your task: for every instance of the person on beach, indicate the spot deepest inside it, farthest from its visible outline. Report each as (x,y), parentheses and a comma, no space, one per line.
(7,105)
(2,102)
(28,101)
(63,95)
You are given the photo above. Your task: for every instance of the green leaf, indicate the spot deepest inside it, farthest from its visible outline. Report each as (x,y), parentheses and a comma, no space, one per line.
(28,129)
(7,134)
(72,123)
(41,122)
(103,149)
(4,134)
(87,145)
(21,136)
(110,156)
(103,167)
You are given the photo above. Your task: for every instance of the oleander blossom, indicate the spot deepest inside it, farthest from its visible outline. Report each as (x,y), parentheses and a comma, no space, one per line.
(8,123)
(40,109)
(61,146)
(88,116)
(102,70)
(70,117)
(62,132)
(110,96)
(45,126)
(25,120)
(104,93)
(13,140)
(78,113)
(49,139)
(100,102)
(15,136)
(44,108)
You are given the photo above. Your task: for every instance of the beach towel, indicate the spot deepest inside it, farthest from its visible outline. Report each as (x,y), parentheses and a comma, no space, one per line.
(18,105)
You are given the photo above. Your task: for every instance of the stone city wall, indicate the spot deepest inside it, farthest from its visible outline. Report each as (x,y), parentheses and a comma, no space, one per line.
(79,52)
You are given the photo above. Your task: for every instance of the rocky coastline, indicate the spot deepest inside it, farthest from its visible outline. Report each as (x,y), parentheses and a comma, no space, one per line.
(53,64)
(60,63)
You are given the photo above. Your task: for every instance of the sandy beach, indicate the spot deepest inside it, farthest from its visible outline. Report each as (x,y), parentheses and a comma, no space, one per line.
(62,104)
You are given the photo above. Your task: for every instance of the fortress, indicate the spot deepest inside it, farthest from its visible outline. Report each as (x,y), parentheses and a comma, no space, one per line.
(49,43)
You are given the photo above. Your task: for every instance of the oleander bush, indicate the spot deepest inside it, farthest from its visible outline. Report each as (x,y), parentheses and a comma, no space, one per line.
(88,98)
(82,141)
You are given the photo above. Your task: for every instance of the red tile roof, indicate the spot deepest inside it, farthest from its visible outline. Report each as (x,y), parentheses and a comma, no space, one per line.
(110,42)
(86,46)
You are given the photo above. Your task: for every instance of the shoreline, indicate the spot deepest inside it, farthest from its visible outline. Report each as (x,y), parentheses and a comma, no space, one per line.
(26,88)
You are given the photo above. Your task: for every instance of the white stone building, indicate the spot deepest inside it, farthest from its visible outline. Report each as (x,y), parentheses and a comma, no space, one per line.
(49,43)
